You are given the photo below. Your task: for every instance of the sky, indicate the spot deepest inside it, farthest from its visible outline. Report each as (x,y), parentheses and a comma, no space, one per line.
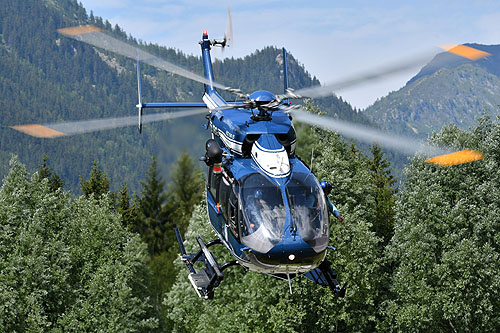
(334,40)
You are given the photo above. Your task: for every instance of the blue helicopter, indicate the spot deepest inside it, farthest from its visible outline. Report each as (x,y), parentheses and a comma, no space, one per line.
(265,205)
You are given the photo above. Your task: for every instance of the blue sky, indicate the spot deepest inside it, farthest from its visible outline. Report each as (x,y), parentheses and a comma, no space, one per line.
(333,39)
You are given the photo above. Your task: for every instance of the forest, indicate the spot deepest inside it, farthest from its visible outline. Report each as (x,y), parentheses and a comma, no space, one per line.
(419,258)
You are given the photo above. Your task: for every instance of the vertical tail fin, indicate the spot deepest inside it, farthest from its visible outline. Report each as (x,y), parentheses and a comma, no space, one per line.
(207,62)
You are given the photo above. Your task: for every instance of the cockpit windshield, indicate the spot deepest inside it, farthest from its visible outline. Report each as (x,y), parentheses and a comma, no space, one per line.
(263,213)
(309,210)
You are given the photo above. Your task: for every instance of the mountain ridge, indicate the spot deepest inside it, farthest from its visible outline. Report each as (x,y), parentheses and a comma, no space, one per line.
(45,77)
(448,90)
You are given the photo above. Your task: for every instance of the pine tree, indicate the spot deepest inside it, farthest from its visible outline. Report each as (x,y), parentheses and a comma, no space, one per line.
(384,193)
(45,172)
(130,212)
(184,191)
(97,184)
(151,203)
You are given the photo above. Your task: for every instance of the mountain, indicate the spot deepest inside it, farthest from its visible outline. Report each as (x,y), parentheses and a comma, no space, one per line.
(45,77)
(449,89)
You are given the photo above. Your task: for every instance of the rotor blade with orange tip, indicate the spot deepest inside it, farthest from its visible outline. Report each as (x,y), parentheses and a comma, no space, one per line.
(38,131)
(466,51)
(367,134)
(406,145)
(85,126)
(459,157)
(383,72)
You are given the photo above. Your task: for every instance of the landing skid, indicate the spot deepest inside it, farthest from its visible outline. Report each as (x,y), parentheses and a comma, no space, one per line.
(206,280)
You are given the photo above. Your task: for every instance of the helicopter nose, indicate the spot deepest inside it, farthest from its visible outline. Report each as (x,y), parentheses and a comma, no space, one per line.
(291,252)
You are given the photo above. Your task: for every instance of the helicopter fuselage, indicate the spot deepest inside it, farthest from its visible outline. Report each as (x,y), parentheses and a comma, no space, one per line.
(265,205)
(263,202)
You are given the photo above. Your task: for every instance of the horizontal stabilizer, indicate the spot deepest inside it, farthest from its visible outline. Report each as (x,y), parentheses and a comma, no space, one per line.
(459,157)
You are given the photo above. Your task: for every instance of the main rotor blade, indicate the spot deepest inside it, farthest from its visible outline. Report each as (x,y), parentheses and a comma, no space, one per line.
(229,30)
(330,88)
(85,126)
(401,144)
(95,36)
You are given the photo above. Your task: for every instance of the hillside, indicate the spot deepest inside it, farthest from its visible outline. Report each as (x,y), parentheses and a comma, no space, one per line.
(45,77)
(448,90)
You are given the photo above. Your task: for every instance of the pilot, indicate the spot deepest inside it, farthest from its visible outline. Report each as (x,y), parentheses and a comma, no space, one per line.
(256,205)
(327,188)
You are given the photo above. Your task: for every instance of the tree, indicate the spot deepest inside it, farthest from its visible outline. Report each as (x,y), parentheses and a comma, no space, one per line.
(131,216)
(97,184)
(151,208)
(67,264)
(446,246)
(46,172)
(384,194)
(184,191)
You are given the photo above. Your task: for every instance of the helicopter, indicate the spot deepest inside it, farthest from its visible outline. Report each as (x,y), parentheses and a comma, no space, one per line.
(264,203)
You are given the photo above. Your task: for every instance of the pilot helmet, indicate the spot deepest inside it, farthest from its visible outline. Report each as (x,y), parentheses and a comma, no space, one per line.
(258,193)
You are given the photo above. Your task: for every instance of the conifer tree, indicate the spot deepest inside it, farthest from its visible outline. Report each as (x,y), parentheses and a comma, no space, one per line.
(45,172)
(151,207)
(184,191)
(384,193)
(97,184)
(131,217)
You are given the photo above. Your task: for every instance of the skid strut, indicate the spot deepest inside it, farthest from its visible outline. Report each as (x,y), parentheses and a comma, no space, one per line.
(206,280)
(325,276)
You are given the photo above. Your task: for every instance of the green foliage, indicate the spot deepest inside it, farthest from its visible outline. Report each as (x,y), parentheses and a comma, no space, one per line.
(45,171)
(67,264)
(97,184)
(151,204)
(131,215)
(446,247)
(384,193)
(154,214)
(184,191)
